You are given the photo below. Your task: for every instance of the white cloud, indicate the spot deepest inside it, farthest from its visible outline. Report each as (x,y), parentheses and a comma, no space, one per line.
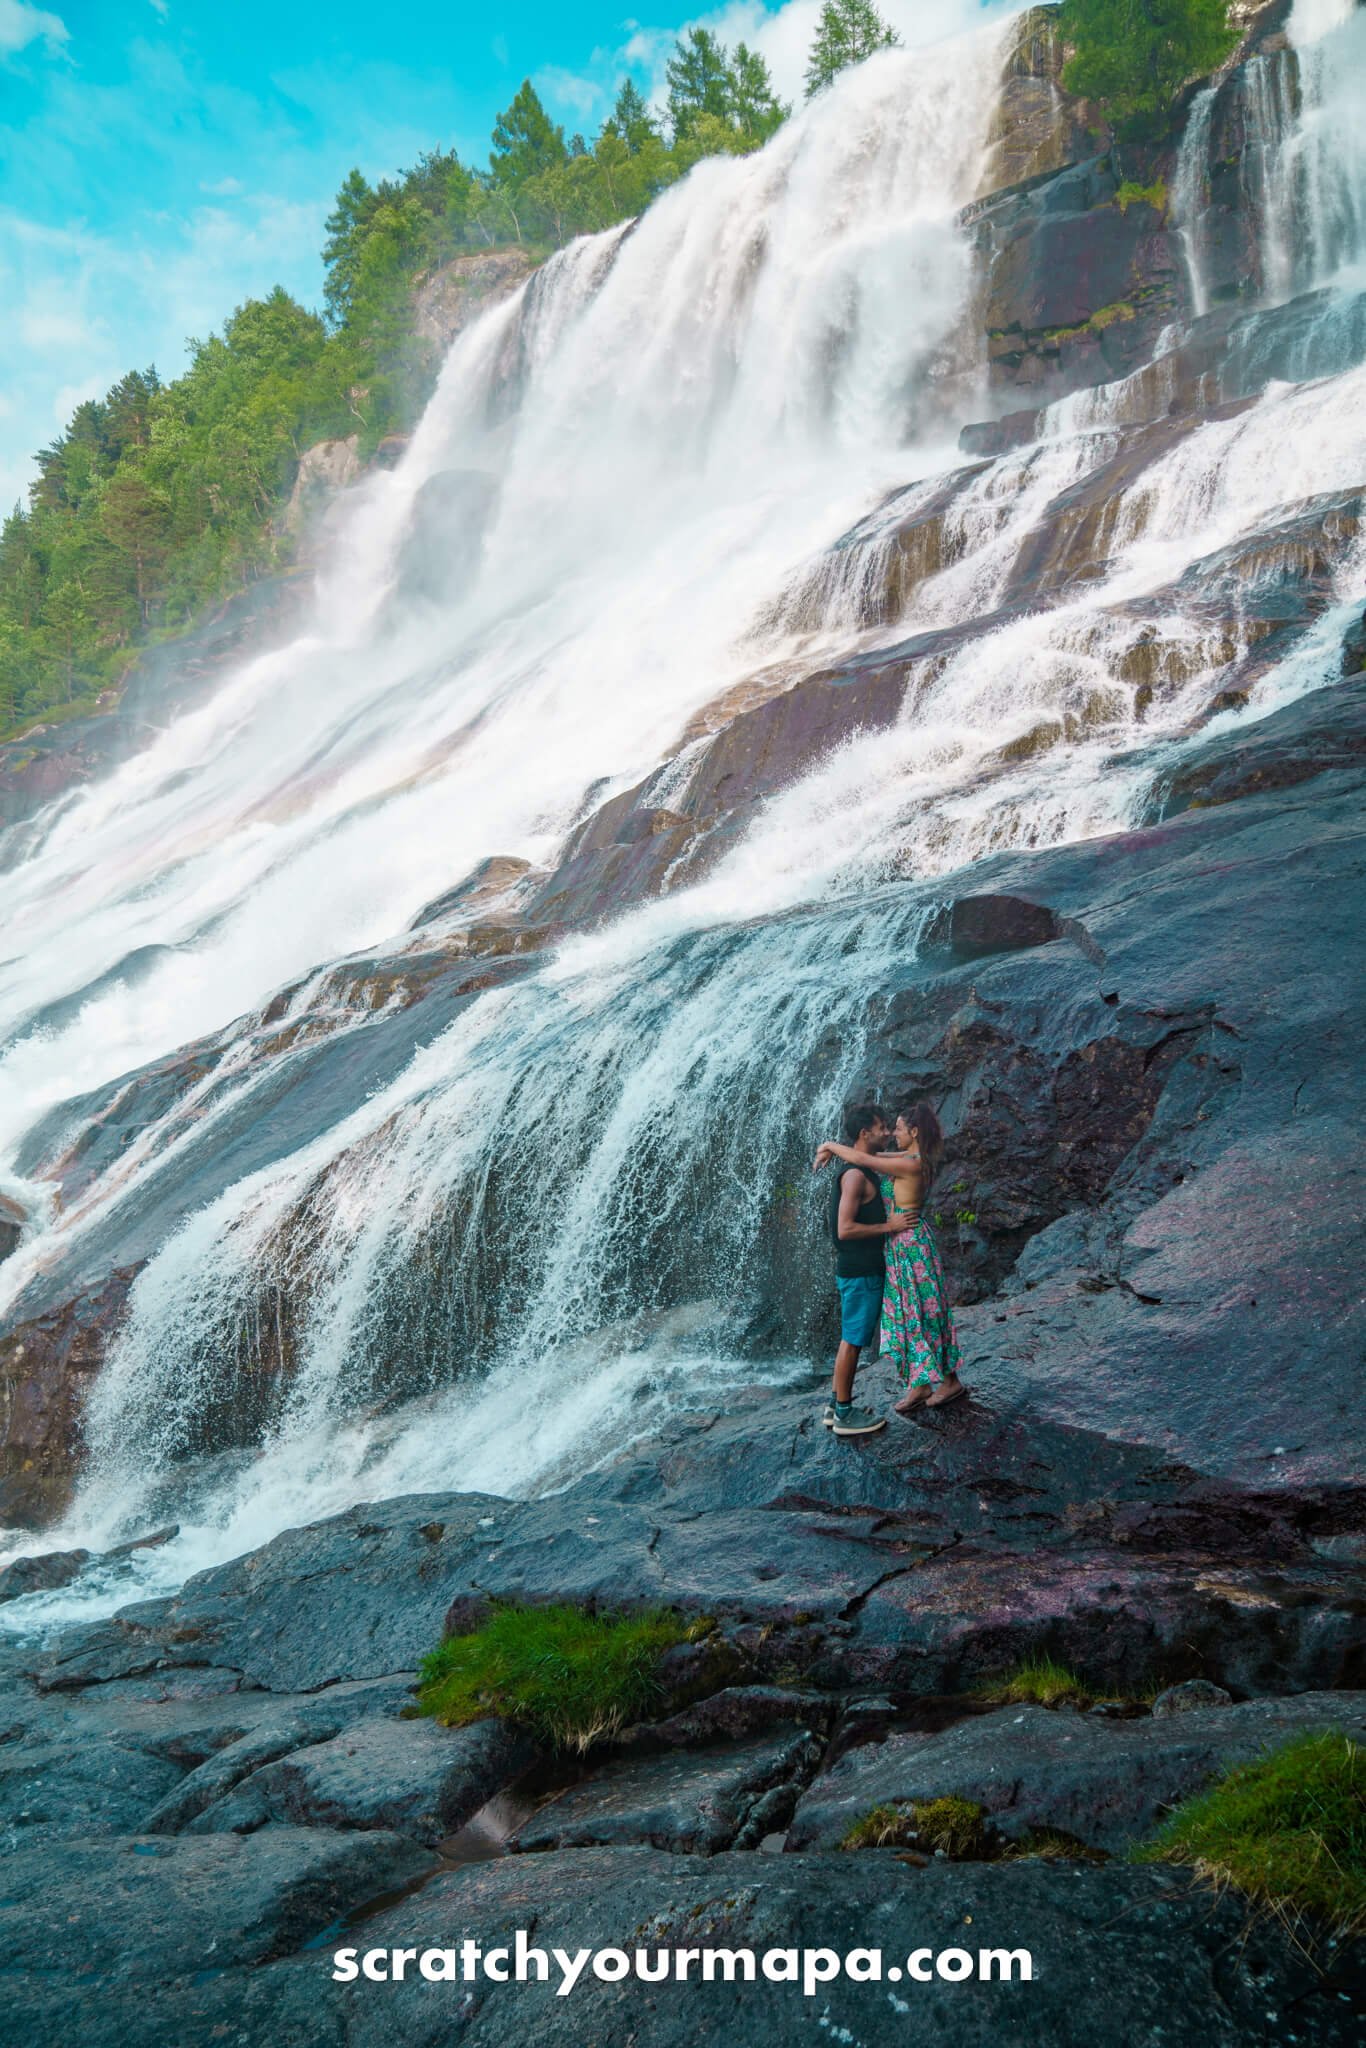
(569,88)
(52,327)
(65,401)
(161,7)
(21,25)
(223,188)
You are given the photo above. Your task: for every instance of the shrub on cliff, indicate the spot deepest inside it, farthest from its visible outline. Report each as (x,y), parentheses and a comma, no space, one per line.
(571,1678)
(1134,56)
(1288,1830)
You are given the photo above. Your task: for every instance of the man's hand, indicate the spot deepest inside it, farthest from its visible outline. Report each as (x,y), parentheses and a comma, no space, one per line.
(824,1154)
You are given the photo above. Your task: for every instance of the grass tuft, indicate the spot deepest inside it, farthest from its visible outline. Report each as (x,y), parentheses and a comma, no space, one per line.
(1041,1683)
(569,1677)
(883,1827)
(1289,1831)
(957,1826)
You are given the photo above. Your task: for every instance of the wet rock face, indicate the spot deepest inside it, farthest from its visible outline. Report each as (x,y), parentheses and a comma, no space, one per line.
(325,469)
(447,301)
(1037,127)
(1083,263)
(1078,285)
(45,1366)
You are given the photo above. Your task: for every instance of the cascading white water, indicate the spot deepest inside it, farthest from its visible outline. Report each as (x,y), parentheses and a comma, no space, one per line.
(728,387)
(1190,195)
(1314,158)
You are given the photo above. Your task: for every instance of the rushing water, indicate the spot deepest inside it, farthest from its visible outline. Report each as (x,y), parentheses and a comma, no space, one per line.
(686,456)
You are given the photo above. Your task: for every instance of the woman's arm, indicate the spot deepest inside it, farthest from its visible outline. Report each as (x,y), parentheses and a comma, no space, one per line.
(871,1162)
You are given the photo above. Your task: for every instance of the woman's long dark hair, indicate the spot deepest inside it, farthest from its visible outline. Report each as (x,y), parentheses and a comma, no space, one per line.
(920,1116)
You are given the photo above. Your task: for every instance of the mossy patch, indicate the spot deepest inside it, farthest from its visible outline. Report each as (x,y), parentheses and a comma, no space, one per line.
(1289,1831)
(1041,1683)
(1131,194)
(569,1677)
(1109,316)
(962,1831)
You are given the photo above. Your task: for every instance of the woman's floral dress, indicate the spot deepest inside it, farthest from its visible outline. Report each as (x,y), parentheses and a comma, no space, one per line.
(917,1323)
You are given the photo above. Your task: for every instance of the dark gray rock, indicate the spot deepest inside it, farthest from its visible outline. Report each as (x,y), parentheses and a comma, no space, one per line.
(1103,1782)
(41,1574)
(1138,1956)
(1191,1697)
(150,1909)
(51,1792)
(730,1715)
(696,1803)
(1314,737)
(411,1777)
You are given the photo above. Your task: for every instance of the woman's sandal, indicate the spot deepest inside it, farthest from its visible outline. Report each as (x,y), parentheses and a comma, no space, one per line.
(908,1402)
(957,1395)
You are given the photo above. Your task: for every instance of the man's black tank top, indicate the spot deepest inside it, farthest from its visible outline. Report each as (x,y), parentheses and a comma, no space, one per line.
(857,1257)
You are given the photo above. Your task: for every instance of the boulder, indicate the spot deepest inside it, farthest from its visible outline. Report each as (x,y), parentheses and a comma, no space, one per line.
(45,1364)
(410,1777)
(43,1573)
(1103,1783)
(147,1909)
(1126,1955)
(695,1803)
(1192,1697)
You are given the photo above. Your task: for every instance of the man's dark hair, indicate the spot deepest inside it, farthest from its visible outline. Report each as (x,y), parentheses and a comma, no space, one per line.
(861,1116)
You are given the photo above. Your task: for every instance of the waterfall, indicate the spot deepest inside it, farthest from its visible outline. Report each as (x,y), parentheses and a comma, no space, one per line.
(706,455)
(1310,149)
(1190,194)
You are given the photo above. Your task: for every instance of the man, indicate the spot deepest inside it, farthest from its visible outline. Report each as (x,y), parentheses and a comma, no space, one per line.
(858,1227)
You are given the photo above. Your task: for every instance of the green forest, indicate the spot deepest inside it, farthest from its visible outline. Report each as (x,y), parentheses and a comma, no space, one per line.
(162,498)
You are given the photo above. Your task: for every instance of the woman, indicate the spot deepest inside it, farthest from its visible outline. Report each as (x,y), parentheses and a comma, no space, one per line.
(917,1323)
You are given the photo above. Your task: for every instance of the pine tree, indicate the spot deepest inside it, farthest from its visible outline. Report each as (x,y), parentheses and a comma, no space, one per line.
(848,31)
(345,228)
(700,82)
(526,142)
(631,118)
(755,107)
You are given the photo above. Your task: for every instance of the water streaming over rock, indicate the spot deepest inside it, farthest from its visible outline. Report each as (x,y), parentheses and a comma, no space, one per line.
(694,461)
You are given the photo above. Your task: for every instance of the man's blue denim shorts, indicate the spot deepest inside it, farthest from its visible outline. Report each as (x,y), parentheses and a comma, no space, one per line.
(860,1308)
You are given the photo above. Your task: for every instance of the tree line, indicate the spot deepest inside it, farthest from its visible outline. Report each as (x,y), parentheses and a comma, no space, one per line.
(161,498)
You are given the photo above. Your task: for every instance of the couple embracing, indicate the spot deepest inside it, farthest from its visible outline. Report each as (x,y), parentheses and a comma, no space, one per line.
(887,1265)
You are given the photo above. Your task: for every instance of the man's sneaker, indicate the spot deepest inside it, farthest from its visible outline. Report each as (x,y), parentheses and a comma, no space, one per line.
(829,1416)
(852,1421)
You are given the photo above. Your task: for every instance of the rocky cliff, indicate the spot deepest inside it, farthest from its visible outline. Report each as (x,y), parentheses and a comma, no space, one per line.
(1098,1021)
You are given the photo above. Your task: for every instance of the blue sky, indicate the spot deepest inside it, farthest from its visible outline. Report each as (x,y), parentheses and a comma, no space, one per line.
(162,160)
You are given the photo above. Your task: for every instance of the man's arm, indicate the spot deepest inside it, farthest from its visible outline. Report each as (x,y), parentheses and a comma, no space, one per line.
(851,1201)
